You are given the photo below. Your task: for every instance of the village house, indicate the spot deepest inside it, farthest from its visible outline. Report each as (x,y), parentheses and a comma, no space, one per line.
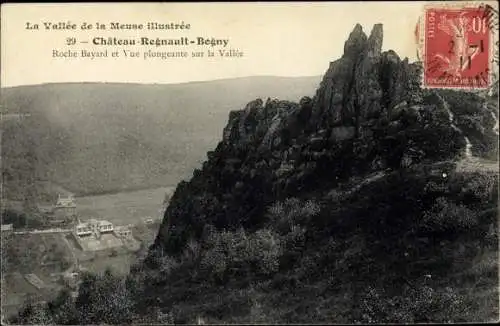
(104,226)
(83,229)
(123,231)
(65,207)
(7,229)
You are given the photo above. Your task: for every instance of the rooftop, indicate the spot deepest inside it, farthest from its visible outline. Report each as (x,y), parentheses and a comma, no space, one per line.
(99,222)
(7,227)
(68,201)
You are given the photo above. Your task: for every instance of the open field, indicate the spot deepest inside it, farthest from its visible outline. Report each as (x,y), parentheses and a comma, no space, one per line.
(15,290)
(28,253)
(124,207)
(44,255)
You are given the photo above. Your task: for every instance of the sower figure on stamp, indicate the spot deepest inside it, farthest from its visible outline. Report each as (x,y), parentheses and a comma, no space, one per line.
(461,52)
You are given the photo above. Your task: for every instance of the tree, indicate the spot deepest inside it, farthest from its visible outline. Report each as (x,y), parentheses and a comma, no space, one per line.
(33,314)
(103,298)
(63,309)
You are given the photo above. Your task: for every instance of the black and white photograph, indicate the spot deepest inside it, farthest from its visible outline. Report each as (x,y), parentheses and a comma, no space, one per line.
(249,163)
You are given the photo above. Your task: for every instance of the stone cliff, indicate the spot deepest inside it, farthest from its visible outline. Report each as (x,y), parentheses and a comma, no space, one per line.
(368,114)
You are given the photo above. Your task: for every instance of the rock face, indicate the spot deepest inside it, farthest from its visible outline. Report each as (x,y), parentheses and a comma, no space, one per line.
(363,84)
(368,114)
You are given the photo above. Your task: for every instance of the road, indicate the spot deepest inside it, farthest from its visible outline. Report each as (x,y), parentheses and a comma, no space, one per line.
(54,230)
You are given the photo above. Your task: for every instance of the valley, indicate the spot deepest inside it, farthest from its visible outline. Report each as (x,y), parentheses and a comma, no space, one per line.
(108,149)
(370,200)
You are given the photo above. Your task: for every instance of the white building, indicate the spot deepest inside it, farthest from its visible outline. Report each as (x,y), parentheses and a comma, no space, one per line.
(68,201)
(83,229)
(93,226)
(123,231)
(7,228)
(65,207)
(104,226)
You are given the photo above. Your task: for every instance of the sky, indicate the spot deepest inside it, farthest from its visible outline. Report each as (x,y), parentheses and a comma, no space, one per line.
(279,39)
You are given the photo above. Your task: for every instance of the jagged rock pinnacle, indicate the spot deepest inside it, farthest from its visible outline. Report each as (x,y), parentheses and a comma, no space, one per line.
(374,43)
(362,84)
(356,42)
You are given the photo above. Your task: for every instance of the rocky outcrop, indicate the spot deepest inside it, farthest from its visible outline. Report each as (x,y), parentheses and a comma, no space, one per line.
(364,83)
(368,114)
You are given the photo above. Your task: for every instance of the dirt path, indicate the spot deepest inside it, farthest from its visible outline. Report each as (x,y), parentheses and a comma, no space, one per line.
(469,162)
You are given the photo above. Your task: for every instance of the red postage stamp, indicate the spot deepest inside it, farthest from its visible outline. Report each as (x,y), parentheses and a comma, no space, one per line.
(456,47)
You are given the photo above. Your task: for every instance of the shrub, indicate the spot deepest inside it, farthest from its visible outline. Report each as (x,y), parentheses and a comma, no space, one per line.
(491,236)
(295,239)
(266,250)
(236,253)
(447,215)
(63,309)
(167,264)
(283,215)
(192,250)
(293,245)
(420,304)
(164,318)
(103,299)
(214,261)
(33,314)
(480,187)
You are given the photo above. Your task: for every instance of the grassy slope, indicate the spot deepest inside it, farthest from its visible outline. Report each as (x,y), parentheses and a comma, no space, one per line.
(411,247)
(28,253)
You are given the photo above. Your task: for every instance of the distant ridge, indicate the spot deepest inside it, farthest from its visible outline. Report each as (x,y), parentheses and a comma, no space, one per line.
(166,84)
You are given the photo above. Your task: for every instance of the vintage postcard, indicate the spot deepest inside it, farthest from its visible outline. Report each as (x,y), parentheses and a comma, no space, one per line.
(242,163)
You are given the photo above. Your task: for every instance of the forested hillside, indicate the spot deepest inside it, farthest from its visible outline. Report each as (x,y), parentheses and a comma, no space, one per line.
(98,137)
